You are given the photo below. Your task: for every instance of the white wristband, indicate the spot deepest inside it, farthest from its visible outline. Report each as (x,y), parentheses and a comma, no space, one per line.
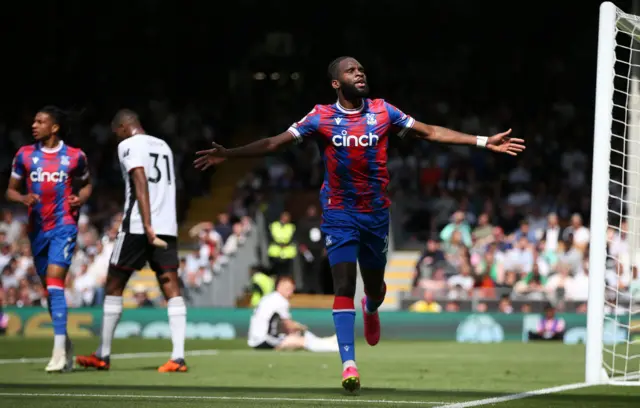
(481,141)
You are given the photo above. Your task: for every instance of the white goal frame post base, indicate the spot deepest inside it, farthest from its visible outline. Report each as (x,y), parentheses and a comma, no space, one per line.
(607,361)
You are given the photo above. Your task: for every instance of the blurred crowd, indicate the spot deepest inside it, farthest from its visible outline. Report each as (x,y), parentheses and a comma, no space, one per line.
(217,243)
(538,261)
(496,221)
(20,285)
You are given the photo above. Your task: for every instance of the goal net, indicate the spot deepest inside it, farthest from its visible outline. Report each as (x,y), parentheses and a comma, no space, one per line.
(613,332)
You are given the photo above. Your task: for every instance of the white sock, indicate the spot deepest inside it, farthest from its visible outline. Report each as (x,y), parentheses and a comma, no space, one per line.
(319,345)
(111,312)
(59,341)
(347,364)
(177,311)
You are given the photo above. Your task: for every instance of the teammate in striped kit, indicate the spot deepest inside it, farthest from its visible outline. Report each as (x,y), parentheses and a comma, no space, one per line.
(48,168)
(354,132)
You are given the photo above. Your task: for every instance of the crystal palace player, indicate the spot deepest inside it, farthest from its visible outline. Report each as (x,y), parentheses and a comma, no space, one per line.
(355,131)
(48,168)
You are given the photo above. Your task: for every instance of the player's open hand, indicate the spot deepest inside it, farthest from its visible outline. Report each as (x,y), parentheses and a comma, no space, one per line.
(75,201)
(502,143)
(30,199)
(150,233)
(210,157)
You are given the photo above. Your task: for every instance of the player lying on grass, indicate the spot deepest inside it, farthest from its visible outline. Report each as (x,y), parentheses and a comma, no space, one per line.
(148,234)
(354,132)
(272,327)
(48,169)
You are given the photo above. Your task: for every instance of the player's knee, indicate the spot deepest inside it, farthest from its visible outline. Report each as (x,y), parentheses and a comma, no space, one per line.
(116,281)
(344,279)
(56,271)
(169,284)
(373,280)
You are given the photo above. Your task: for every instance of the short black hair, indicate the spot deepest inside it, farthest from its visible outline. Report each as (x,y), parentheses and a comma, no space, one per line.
(333,67)
(67,120)
(124,115)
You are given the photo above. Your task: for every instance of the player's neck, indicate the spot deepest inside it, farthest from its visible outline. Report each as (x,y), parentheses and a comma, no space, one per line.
(137,131)
(350,104)
(51,143)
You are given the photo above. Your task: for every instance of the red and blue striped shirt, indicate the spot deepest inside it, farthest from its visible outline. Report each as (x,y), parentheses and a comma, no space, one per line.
(355,151)
(49,174)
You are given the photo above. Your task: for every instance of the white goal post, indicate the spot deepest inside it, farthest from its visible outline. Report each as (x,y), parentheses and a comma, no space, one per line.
(613,316)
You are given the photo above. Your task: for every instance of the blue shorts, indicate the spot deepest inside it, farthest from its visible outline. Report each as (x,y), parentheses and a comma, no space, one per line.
(357,237)
(53,247)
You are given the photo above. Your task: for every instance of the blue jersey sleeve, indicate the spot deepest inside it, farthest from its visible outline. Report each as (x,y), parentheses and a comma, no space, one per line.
(82,169)
(399,119)
(17,168)
(306,126)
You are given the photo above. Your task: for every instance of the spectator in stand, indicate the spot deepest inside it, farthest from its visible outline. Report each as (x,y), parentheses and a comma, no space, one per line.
(482,233)
(436,283)
(431,258)
(210,240)
(557,284)
(505,306)
(311,245)
(427,304)
(455,251)
(520,258)
(460,226)
(10,226)
(552,233)
(525,231)
(619,244)
(141,297)
(235,240)
(463,280)
(84,288)
(537,222)
(491,265)
(570,255)
(531,286)
(579,232)
(223,226)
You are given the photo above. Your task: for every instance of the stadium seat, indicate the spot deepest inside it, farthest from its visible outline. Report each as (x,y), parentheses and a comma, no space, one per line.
(302,301)
(222,187)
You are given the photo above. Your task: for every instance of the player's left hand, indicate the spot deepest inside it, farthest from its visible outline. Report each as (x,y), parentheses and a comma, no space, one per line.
(210,157)
(75,201)
(502,143)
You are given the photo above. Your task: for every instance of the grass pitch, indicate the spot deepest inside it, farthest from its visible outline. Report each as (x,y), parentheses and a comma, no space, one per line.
(228,374)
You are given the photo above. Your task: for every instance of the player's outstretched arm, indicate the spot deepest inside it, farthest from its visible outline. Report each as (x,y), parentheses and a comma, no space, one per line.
(217,154)
(500,143)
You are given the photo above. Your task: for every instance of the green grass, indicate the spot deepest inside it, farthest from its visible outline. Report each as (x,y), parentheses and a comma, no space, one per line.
(428,374)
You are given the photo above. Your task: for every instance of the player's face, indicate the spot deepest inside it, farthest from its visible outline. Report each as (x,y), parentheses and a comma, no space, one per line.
(43,126)
(353,80)
(288,288)
(120,131)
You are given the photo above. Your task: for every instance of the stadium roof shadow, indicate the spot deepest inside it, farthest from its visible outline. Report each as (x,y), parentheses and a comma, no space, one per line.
(592,399)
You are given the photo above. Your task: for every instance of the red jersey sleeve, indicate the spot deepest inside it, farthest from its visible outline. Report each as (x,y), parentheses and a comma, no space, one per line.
(17,167)
(82,168)
(306,126)
(399,119)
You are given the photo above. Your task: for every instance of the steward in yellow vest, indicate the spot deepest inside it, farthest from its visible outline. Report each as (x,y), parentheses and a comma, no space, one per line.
(282,232)
(261,285)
